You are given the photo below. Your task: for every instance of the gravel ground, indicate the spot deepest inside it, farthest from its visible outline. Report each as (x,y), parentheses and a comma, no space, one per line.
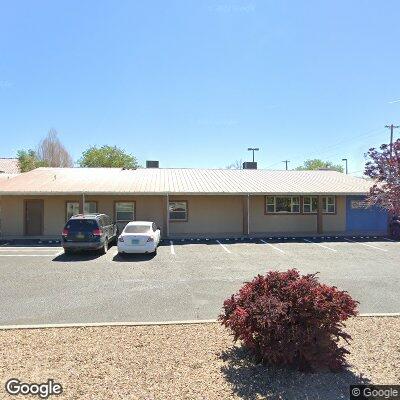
(185,362)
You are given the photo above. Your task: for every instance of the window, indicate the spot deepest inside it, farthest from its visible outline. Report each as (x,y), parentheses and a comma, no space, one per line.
(137,229)
(124,211)
(178,210)
(73,208)
(310,204)
(328,204)
(283,204)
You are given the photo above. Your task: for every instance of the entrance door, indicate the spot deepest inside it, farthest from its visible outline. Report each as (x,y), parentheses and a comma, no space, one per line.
(34,217)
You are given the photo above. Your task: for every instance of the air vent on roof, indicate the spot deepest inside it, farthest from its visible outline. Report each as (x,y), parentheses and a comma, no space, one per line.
(249,165)
(152,164)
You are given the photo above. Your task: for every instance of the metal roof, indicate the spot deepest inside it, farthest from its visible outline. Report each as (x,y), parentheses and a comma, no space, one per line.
(53,181)
(9,166)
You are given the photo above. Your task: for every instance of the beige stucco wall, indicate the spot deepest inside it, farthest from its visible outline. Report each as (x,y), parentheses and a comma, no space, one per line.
(206,215)
(210,215)
(278,223)
(336,223)
(295,223)
(12,211)
(12,216)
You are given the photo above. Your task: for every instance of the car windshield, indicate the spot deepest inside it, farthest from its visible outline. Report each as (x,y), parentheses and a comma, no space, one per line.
(82,225)
(137,229)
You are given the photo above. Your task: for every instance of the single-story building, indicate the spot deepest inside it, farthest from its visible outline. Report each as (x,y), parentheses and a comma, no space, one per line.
(191,202)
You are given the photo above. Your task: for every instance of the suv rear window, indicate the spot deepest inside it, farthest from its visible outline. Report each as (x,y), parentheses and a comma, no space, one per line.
(82,225)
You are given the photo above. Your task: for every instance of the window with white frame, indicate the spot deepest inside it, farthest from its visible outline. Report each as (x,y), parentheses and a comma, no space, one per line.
(310,204)
(72,208)
(124,211)
(283,204)
(178,210)
(328,204)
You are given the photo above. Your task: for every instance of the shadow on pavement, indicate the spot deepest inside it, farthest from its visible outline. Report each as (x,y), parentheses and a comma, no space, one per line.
(252,381)
(78,256)
(133,257)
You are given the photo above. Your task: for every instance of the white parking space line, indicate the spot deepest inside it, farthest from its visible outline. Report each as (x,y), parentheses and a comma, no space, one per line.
(274,247)
(18,248)
(27,255)
(24,250)
(224,247)
(365,244)
(320,245)
(172,247)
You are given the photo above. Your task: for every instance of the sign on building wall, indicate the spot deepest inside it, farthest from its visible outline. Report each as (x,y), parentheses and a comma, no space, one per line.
(358,204)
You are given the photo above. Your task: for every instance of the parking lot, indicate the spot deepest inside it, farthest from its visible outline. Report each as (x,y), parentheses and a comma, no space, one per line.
(186,279)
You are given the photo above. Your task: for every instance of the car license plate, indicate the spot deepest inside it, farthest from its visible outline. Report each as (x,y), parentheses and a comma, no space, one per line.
(135,241)
(80,235)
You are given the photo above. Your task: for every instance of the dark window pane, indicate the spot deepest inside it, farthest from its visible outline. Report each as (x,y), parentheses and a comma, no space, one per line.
(314,204)
(283,204)
(270,208)
(177,215)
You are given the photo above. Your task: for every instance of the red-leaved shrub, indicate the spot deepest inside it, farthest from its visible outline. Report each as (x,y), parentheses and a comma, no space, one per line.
(285,318)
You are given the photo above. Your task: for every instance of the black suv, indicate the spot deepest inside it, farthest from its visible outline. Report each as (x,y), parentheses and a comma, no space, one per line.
(88,232)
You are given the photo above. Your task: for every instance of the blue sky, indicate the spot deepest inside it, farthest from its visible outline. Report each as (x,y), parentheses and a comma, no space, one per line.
(194,83)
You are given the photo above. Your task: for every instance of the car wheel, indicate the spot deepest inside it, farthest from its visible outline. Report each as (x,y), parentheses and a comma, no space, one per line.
(67,252)
(104,249)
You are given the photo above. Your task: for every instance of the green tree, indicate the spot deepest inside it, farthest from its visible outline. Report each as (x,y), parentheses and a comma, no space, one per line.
(316,164)
(107,157)
(29,160)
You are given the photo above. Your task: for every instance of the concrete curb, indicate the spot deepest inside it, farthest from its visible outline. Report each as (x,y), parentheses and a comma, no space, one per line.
(153,323)
(394,314)
(104,324)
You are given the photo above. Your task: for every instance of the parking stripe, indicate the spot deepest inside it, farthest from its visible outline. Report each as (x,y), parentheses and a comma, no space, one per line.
(320,245)
(365,244)
(172,247)
(27,255)
(21,250)
(274,247)
(17,248)
(228,251)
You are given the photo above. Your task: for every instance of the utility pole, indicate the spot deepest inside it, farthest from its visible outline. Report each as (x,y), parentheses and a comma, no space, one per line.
(253,149)
(392,128)
(345,160)
(286,163)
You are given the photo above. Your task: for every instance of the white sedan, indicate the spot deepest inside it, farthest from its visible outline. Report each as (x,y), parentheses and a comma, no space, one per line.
(139,237)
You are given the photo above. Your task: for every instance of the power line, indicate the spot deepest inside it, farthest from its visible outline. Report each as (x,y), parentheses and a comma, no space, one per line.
(334,153)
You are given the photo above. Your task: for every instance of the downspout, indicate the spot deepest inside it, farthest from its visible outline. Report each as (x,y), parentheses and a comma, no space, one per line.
(167,211)
(248,214)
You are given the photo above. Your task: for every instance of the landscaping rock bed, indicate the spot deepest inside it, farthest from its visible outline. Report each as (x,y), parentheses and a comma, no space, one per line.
(186,362)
